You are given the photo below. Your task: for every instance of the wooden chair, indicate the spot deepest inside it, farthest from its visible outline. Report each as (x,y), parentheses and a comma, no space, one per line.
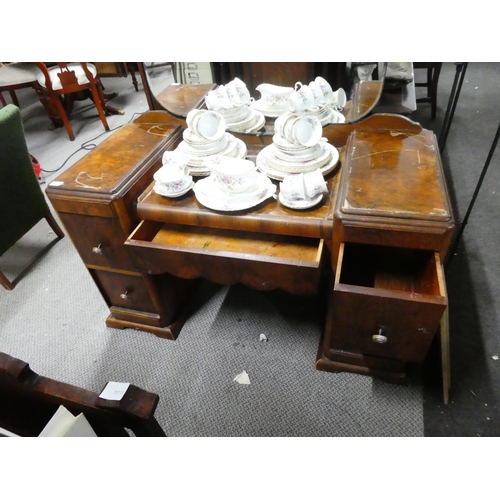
(15,76)
(22,201)
(430,83)
(30,400)
(59,86)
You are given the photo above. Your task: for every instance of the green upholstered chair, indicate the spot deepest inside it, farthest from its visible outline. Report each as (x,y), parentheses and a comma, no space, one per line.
(22,201)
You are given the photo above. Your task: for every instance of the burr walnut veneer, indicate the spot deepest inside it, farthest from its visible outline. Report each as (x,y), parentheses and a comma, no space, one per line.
(378,237)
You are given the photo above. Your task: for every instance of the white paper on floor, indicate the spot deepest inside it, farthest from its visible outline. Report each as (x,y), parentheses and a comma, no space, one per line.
(242,378)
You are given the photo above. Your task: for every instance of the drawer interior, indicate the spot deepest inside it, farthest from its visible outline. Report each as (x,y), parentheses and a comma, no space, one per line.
(390,268)
(305,252)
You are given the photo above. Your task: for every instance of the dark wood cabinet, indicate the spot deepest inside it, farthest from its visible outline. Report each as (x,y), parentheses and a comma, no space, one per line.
(95,200)
(392,228)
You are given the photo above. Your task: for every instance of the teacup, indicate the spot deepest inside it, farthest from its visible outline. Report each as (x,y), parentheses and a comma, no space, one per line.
(293,187)
(175,160)
(319,97)
(325,87)
(242,90)
(207,124)
(232,93)
(172,178)
(339,99)
(218,99)
(233,175)
(315,183)
(283,122)
(301,99)
(304,131)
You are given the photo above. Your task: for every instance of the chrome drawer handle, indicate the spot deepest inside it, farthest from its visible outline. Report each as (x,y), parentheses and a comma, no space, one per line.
(124,296)
(379,338)
(97,249)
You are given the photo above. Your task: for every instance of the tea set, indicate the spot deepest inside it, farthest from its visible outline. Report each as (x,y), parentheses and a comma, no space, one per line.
(233,102)
(299,157)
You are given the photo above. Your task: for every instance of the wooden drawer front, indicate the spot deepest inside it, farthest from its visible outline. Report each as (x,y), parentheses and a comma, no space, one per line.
(124,290)
(99,241)
(435,238)
(387,302)
(261,261)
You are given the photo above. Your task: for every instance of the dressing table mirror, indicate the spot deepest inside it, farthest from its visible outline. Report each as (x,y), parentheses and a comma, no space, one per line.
(363,83)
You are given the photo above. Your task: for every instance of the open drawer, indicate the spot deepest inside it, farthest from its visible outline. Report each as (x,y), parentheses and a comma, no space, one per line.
(259,260)
(387,301)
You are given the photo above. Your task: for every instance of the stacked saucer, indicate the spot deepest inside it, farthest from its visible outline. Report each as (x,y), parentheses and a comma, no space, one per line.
(205,137)
(297,148)
(242,118)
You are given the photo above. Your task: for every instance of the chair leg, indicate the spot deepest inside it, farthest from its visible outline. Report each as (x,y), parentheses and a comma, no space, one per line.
(13,96)
(5,282)
(64,118)
(99,106)
(2,100)
(54,225)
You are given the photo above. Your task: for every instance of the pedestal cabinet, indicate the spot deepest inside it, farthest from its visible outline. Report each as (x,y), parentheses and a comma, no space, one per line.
(95,201)
(392,228)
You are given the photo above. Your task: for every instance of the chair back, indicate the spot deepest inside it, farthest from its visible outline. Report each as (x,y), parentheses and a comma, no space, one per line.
(22,202)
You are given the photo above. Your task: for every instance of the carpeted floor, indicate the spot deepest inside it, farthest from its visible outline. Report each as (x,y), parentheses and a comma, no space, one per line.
(54,319)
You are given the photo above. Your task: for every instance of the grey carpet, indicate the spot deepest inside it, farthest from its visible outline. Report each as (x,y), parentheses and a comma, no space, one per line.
(54,320)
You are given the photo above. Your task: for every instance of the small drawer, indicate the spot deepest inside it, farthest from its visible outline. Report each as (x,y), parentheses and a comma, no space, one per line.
(261,261)
(124,290)
(387,302)
(99,241)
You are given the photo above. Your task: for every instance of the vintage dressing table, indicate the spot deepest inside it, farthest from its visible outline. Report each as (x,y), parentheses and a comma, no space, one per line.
(377,240)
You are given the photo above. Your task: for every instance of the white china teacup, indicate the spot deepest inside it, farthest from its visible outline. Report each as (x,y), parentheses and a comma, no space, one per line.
(304,131)
(339,99)
(233,175)
(218,99)
(175,160)
(232,93)
(172,178)
(315,183)
(284,122)
(325,87)
(319,97)
(301,99)
(206,123)
(293,187)
(242,90)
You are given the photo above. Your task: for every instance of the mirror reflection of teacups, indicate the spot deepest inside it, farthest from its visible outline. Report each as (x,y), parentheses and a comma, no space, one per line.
(232,93)
(218,99)
(325,87)
(242,90)
(233,175)
(301,99)
(315,183)
(319,97)
(339,99)
(293,187)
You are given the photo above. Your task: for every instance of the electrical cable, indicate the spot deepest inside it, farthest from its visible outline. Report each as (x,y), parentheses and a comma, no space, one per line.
(89,145)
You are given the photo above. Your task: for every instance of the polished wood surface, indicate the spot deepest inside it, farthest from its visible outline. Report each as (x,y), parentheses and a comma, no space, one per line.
(179,100)
(395,174)
(29,401)
(382,250)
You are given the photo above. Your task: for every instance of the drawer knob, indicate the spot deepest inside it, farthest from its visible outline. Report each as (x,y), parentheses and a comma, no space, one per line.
(124,296)
(379,338)
(97,249)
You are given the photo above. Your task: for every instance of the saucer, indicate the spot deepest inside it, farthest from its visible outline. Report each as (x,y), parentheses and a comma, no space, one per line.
(162,191)
(300,204)
(210,195)
(270,113)
(236,148)
(273,173)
